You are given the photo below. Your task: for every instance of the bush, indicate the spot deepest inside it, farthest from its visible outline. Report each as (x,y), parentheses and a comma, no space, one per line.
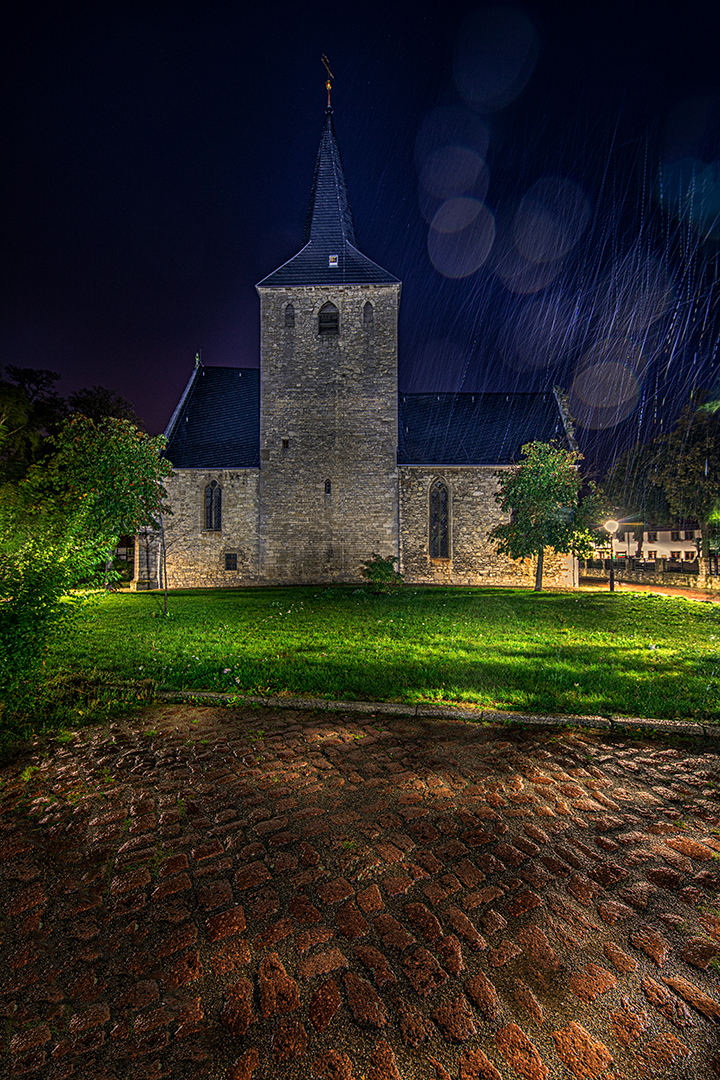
(382,573)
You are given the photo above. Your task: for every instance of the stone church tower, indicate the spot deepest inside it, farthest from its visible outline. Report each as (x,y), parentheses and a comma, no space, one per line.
(328,491)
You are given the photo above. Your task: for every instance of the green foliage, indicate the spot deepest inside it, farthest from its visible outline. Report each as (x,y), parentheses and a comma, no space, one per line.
(674,478)
(30,412)
(542,495)
(382,573)
(98,403)
(58,527)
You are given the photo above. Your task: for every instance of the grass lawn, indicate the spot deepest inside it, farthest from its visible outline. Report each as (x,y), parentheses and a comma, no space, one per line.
(589,653)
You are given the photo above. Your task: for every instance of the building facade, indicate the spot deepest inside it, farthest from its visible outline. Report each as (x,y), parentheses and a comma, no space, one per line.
(304,470)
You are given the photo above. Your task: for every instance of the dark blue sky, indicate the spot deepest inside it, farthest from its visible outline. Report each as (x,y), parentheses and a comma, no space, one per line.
(158,161)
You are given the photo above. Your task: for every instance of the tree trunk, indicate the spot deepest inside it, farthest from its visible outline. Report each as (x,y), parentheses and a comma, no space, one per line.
(539,570)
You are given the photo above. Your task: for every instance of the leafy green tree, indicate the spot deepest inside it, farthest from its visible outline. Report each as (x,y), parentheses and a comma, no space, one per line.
(542,496)
(33,412)
(689,475)
(58,525)
(674,478)
(98,403)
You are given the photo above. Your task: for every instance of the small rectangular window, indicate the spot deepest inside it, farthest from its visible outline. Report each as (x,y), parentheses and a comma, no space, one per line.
(652,555)
(675,534)
(689,534)
(677,555)
(690,556)
(285,444)
(230,560)
(652,537)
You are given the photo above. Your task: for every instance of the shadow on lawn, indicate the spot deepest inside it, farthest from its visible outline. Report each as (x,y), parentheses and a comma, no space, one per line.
(582,680)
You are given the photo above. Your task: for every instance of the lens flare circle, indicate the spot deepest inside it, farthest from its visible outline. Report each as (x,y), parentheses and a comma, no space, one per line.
(460,237)
(452,170)
(550,219)
(603,393)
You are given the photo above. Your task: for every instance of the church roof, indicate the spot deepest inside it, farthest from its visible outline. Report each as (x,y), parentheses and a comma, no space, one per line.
(474,429)
(329,254)
(217,423)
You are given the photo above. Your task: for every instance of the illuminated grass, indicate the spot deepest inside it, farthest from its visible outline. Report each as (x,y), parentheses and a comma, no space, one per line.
(568,653)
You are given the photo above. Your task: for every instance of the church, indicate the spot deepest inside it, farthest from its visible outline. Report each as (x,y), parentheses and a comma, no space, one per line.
(301,471)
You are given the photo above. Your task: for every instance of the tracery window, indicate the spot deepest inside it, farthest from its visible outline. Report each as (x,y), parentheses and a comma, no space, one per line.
(328,319)
(213,506)
(290,317)
(368,316)
(439,521)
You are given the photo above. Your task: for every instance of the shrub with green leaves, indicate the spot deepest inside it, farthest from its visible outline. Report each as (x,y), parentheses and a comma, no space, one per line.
(382,573)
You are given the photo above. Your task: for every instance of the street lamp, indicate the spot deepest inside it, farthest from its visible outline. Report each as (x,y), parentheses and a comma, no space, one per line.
(611,526)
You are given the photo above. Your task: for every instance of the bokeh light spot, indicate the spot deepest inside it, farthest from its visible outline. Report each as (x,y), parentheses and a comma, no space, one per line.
(460,237)
(453,170)
(550,219)
(603,393)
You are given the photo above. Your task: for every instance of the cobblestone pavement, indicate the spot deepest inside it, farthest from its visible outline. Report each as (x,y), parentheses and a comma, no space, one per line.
(244,894)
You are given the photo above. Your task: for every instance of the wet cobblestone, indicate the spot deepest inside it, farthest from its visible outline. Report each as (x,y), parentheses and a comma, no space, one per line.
(256,894)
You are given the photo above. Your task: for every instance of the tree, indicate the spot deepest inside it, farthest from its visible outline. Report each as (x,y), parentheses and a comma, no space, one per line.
(676,476)
(33,412)
(97,403)
(542,495)
(689,474)
(58,525)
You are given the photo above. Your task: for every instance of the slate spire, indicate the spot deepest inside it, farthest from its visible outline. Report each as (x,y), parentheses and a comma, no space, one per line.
(329,254)
(329,216)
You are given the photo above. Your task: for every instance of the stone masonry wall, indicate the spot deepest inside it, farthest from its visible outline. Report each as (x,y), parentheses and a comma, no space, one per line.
(328,414)
(473,512)
(195,555)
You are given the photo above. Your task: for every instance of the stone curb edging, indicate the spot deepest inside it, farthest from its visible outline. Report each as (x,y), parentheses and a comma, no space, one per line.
(639,724)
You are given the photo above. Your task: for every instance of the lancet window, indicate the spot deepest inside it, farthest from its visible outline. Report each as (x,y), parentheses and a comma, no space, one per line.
(213,506)
(439,521)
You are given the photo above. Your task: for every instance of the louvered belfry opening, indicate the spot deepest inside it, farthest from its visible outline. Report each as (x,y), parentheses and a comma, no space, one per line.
(368,316)
(439,521)
(329,319)
(290,317)
(213,506)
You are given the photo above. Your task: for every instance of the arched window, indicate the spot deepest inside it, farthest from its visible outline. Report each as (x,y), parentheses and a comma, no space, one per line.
(329,319)
(289,317)
(213,506)
(368,316)
(439,521)
(328,487)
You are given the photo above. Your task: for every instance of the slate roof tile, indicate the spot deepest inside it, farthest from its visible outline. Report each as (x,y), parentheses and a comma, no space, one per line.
(217,423)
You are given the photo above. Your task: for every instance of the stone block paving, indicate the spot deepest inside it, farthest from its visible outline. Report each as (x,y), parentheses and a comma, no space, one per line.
(247,894)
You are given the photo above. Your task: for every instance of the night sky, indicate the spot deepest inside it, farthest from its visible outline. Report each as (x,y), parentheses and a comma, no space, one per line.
(544,178)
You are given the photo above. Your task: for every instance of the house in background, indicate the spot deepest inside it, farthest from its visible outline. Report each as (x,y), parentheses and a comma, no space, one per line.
(301,471)
(680,544)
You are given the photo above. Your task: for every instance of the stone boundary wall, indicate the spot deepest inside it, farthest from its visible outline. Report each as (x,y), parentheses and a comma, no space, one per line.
(703,580)
(473,559)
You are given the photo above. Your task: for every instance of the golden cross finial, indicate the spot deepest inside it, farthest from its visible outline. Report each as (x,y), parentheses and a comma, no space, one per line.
(330,76)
